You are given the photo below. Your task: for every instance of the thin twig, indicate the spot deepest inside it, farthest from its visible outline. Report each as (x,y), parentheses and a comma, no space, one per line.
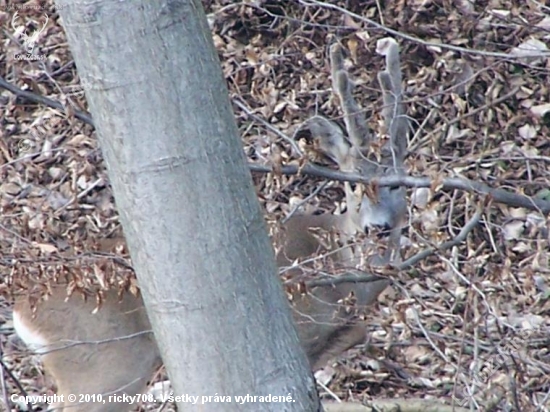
(71,343)
(428,338)
(304,201)
(416,39)
(269,127)
(457,119)
(16,382)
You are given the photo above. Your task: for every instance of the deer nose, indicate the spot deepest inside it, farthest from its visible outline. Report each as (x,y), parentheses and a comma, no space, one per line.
(380,230)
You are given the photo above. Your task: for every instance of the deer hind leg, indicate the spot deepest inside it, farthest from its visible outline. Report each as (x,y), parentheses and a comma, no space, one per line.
(120,356)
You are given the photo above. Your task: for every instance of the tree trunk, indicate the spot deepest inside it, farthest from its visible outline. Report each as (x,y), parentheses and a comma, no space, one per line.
(188,208)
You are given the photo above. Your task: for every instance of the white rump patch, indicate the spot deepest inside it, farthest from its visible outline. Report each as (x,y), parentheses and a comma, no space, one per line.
(33,340)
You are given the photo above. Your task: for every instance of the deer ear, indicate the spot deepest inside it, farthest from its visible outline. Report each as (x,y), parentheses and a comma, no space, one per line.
(329,138)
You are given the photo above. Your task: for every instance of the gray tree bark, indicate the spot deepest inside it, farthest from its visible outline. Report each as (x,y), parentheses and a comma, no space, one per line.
(190,214)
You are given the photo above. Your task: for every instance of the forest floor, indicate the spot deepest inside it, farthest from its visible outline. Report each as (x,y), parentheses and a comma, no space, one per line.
(469,325)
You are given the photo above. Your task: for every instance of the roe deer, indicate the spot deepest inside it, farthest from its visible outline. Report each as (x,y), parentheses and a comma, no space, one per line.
(111,350)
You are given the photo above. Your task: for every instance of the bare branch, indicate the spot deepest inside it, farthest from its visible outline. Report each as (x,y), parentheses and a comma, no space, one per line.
(450,183)
(351,276)
(461,237)
(36,98)
(357,276)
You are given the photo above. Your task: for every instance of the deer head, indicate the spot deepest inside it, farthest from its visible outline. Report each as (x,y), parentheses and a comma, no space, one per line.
(359,151)
(328,315)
